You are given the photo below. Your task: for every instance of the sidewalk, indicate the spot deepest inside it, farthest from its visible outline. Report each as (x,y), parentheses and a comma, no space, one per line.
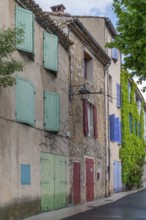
(69,211)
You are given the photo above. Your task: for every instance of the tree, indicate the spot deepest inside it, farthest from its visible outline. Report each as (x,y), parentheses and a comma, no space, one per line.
(8,64)
(131,37)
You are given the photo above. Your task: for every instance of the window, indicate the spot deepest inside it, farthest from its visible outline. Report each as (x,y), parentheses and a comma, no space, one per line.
(89,119)
(88,67)
(139,132)
(115,129)
(110,89)
(135,127)
(25,20)
(145,118)
(130,122)
(50,52)
(118,95)
(25,93)
(139,105)
(51,111)
(129,91)
(114,54)
(25,174)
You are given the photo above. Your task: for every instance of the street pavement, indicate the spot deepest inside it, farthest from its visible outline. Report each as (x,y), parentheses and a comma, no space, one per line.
(131,207)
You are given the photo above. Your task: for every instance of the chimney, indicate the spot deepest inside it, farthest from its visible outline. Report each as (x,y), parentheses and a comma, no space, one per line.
(58,9)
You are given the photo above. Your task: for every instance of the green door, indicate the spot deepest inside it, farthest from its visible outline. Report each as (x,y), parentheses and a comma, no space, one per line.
(60,182)
(53,182)
(47,182)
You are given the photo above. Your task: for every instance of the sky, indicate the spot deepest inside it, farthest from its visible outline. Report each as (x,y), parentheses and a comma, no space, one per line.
(82,7)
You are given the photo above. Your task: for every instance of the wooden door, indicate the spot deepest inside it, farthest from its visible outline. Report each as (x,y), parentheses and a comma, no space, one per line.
(76,183)
(89,180)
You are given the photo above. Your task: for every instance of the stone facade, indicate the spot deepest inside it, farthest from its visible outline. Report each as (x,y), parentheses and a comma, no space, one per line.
(21,143)
(105,33)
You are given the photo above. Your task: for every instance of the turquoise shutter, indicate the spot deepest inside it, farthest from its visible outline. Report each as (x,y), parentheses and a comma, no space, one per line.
(25,20)
(24,101)
(25,174)
(118,87)
(51,111)
(50,52)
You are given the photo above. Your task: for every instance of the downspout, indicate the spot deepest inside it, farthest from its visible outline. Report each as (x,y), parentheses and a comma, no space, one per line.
(107,143)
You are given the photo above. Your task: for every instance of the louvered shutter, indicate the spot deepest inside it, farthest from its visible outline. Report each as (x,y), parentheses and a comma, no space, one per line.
(116,129)
(120,133)
(112,118)
(25,20)
(24,101)
(85,117)
(51,111)
(118,87)
(95,122)
(50,52)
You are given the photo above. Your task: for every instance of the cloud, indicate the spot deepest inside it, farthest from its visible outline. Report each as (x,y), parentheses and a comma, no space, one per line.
(78,7)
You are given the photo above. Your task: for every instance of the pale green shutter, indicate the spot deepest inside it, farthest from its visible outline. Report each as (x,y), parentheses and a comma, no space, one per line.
(51,111)
(25,20)
(47,182)
(24,101)
(60,181)
(50,52)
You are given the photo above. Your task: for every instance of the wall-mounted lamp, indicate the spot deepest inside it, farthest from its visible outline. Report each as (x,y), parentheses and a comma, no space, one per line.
(81,90)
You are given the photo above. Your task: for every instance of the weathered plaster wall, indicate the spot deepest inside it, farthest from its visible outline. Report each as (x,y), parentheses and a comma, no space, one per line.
(22,144)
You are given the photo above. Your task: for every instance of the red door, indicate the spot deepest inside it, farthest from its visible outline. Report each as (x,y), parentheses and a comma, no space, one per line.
(76,182)
(89,180)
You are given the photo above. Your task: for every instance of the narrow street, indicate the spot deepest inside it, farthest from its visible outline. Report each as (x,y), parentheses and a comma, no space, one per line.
(131,207)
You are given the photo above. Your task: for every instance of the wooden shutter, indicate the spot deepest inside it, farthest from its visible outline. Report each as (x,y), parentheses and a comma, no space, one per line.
(95,122)
(25,174)
(116,129)
(51,111)
(118,87)
(25,20)
(112,118)
(50,52)
(24,101)
(120,133)
(85,117)
(114,54)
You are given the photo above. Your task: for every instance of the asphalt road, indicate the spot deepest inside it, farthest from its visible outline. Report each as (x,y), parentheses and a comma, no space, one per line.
(131,207)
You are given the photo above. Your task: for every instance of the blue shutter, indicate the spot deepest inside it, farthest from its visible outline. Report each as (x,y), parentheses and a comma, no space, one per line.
(130,122)
(51,111)
(25,174)
(25,20)
(114,54)
(50,52)
(116,129)
(118,95)
(120,133)
(112,117)
(24,101)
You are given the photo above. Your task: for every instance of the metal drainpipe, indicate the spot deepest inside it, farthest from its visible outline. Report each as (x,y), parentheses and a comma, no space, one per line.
(107,145)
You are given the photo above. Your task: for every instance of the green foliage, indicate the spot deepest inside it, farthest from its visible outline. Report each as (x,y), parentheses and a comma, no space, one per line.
(131,40)
(132,151)
(9,65)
